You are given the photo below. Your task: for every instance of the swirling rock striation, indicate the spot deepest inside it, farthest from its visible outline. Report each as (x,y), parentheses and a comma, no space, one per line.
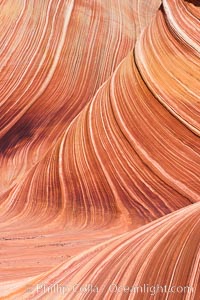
(165,251)
(97,140)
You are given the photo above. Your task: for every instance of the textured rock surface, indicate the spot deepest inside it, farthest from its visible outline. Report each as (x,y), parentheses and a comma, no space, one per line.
(99,147)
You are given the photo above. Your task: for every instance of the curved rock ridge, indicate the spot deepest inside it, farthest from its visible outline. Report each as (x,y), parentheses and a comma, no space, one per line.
(32,122)
(184,22)
(99,147)
(193,7)
(42,87)
(54,56)
(124,155)
(162,253)
(167,55)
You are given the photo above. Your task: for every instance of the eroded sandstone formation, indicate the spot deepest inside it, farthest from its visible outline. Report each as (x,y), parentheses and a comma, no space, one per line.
(99,147)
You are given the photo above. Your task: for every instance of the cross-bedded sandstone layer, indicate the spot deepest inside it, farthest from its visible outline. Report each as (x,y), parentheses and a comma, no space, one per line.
(99,147)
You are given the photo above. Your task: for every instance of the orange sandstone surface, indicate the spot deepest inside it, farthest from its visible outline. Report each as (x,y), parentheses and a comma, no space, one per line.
(99,149)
